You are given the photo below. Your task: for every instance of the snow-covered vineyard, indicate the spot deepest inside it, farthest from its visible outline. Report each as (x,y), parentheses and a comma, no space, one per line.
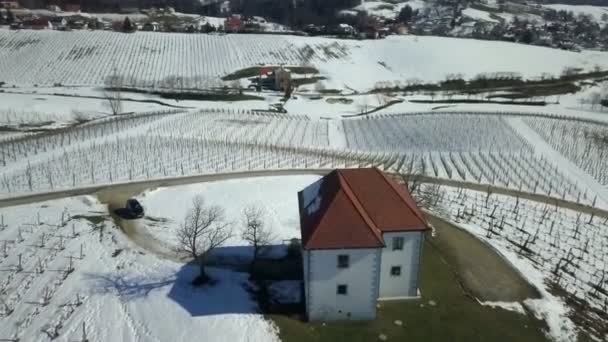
(567,247)
(562,246)
(585,144)
(170,144)
(145,60)
(166,60)
(66,270)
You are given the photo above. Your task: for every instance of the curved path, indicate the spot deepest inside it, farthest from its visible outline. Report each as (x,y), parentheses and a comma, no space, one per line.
(138,186)
(463,250)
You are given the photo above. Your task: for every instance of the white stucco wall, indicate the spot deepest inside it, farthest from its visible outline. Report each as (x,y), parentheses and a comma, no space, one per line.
(405,285)
(305,258)
(323,276)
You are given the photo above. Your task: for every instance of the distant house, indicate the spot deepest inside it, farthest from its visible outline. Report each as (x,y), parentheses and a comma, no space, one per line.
(234,23)
(58,23)
(345,30)
(362,238)
(37,24)
(9,4)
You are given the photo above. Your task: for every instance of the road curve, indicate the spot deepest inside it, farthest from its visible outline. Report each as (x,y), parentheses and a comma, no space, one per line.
(138,186)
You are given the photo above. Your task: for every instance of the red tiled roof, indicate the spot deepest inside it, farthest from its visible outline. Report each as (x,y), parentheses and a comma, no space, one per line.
(351,208)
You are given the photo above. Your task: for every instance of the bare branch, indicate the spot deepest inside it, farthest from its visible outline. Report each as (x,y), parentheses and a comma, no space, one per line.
(255,230)
(204,228)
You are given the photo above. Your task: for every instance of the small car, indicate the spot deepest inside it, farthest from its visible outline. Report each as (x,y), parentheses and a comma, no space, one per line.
(134,209)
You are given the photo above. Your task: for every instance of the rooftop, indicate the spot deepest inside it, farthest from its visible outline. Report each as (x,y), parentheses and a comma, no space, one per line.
(352,208)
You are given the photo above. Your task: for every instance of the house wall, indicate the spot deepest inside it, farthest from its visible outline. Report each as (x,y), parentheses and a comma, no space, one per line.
(305,258)
(405,285)
(323,277)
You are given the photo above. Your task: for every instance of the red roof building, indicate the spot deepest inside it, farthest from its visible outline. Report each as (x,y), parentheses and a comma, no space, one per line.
(362,237)
(351,208)
(234,23)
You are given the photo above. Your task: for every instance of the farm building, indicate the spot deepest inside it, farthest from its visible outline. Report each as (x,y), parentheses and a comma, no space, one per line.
(362,238)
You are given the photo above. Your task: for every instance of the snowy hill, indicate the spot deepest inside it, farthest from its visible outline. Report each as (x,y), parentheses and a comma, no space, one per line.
(160,60)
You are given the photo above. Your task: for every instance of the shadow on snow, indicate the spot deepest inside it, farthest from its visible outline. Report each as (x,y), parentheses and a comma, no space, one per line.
(226,296)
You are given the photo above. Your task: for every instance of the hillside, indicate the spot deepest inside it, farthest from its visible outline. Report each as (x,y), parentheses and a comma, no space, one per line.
(164,60)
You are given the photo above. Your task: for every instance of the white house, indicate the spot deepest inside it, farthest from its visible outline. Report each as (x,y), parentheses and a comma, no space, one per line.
(362,238)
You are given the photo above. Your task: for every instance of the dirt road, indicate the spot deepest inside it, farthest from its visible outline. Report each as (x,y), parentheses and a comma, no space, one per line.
(484,273)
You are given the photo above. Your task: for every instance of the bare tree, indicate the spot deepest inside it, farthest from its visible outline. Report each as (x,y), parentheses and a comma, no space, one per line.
(113,92)
(204,228)
(255,230)
(594,99)
(411,173)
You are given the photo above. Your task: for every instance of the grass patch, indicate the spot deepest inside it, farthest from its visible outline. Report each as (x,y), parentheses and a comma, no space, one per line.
(388,104)
(518,87)
(329,91)
(210,96)
(456,317)
(342,100)
(255,71)
(519,103)
(94,219)
(308,80)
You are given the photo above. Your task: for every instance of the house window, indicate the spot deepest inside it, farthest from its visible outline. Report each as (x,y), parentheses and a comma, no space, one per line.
(342,289)
(398,243)
(343,261)
(396,271)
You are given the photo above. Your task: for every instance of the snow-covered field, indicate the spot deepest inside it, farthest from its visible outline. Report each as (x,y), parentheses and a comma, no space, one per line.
(277,196)
(551,155)
(484,148)
(74,273)
(476,14)
(87,58)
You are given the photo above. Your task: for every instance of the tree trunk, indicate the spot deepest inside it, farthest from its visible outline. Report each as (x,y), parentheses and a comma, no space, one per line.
(202,278)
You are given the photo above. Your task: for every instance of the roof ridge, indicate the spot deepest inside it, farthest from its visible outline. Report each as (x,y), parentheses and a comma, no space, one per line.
(359,207)
(392,185)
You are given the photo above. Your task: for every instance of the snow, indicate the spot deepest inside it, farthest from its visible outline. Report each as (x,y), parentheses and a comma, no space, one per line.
(476,14)
(390,60)
(311,198)
(584,180)
(337,138)
(595,12)
(385,10)
(277,195)
(37,108)
(509,306)
(334,106)
(214,21)
(431,59)
(121,293)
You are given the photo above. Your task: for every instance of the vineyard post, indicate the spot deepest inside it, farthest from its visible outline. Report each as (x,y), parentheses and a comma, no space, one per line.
(84,333)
